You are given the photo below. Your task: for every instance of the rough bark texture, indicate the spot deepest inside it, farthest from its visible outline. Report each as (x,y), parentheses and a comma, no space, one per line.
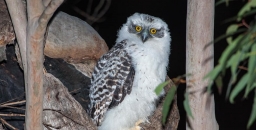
(39,13)
(6,30)
(155,120)
(61,110)
(200,23)
(74,40)
(17,11)
(2,53)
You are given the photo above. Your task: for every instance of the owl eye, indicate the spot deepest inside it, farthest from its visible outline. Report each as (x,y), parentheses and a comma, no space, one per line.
(153,31)
(138,28)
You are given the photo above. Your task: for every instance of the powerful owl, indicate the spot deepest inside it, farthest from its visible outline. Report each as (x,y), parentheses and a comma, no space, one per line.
(124,79)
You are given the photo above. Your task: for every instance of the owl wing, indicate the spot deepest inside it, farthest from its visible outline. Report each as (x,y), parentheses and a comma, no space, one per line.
(112,80)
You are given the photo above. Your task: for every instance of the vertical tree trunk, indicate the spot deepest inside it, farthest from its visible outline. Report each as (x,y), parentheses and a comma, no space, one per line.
(200,23)
(17,11)
(39,13)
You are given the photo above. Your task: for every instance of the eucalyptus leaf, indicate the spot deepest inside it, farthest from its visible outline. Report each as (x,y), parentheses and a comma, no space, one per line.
(253,113)
(160,87)
(247,7)
(231,29)
(239,87)
(221,2)
(167,102)
(251,70)
(186,106)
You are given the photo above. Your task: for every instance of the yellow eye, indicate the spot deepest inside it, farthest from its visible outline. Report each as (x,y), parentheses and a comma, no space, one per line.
(153,31)
(138,28)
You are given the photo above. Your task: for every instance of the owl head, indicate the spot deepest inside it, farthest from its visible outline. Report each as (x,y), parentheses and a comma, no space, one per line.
(144,28)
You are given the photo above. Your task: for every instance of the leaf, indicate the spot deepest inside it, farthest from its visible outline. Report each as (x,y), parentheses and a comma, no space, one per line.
(230,49)
(221,37)
(253,113)
(212,75)
(233,19)
(239,87)
(221,1)
(233,62)
(231,29)
(251,70)
(186,105)
(160,87)
(167,103)
(219,83)
(247,7)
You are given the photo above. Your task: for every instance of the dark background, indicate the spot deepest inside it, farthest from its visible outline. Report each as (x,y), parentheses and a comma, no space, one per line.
(173,12)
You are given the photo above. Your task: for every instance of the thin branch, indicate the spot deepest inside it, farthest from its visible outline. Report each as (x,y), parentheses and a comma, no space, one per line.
(6,123)
(12,114)
(243,68)
(11,100)
(13,107)
(13,103)
(98,7)
(89,6)
(96,14)
(59,111)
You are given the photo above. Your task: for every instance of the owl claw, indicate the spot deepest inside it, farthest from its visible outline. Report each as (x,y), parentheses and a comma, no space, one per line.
(137,125)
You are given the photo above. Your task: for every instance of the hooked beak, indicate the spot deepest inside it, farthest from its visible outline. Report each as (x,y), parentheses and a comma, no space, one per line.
(144,36)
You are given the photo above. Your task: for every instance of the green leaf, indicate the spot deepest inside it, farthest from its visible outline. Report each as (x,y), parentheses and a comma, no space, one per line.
(212,75)
(186,106)
(221,1)
(230,49)
(253,113)
(231,29)
(219,82)
(233,62)
(239,87)
(251,70)
(167,103)
(247,7)
(160,87)
(221,37)
(233,19)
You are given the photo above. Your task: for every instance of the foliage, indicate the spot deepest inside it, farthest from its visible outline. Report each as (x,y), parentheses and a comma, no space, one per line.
(240,57)
(168,100)
(170,96)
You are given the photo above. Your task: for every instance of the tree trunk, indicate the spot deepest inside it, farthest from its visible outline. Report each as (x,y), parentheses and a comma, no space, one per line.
(38,15)
(200,23)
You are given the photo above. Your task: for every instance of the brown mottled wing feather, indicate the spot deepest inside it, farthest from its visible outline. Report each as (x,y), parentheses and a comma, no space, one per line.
(112,80)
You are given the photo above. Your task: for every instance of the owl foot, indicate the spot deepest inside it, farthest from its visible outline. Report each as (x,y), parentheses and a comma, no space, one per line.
(137,125)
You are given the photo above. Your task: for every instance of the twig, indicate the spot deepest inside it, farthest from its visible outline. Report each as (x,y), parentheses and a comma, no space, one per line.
(12,114)
(97,9)
(6,123)
(96,14)
(75,91)
(11,100)
(13,107)
(13,103)
(243,68)
(59,111)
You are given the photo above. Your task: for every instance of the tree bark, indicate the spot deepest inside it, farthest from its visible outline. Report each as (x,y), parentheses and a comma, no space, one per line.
(39,13)
(200,23)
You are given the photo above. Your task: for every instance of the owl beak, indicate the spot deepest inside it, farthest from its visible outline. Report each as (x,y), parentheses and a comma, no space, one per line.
(144,36)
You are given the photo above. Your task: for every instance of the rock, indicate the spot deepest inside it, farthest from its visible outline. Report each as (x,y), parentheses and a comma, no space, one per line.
(61,110)
(73,40)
